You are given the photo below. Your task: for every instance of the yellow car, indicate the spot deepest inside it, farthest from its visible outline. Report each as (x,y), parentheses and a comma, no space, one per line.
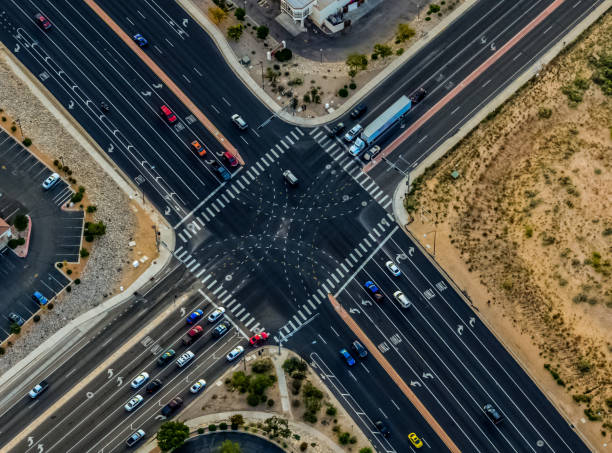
(418,443)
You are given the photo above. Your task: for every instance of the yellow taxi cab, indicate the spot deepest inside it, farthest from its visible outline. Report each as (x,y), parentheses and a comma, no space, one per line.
(418,443)
(198,148)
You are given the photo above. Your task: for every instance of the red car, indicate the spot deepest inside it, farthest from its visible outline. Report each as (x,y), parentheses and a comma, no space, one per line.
(170,117)
(231,159)
(192,335)
(42,21)
(258,339)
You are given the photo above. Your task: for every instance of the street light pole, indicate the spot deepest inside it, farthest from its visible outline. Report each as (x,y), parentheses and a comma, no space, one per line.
(321,50)
(19,124)
(263,85)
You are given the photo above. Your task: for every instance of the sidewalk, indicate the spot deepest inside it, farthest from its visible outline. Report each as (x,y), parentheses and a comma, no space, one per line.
(282,381)
(233,61)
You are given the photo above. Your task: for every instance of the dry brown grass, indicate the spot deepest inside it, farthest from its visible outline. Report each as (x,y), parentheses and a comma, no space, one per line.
(529,219)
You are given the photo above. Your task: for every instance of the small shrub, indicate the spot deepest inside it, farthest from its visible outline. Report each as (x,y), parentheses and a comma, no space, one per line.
(343,92)
(270,403)
(331,411)
(253,399)
(433,8)
(584,366)
(399,52)
(240,13)
(404,33)
(2,350)
(262,366)
(262,32)
(592,415)
(544,112)
(77,197)
(237,419)
(303,446)
(344,438)
(13,128)
(91,208)
(49,306)
(212,428)
(36,318)
(223,426)
(84,252)
(283,55)
(12,243)
(77,281)
(21,222)
(352,85)
(235,32)
(201,430)
(15,328)
(582,398)
(68,289)
(69,271)
(528,231)
(428,18)
(27,142)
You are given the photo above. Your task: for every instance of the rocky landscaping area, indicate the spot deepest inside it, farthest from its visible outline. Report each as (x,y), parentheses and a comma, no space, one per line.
(108,256)
(520,211)
(313,87)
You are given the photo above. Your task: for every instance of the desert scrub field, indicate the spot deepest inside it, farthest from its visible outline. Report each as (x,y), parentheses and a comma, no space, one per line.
(530,217)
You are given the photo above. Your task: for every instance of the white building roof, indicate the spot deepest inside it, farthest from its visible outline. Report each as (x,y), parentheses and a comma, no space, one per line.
(299,4)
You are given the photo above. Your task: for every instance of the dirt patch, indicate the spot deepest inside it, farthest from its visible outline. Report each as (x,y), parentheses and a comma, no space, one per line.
(526,228)
(314,84)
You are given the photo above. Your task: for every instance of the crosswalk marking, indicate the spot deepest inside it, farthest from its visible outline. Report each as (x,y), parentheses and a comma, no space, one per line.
(249,322)
(227,200)
(216,208)
(200,273)
(235,307)
(242,310)
(182,238)
(302,315)
(274,152)
(299,323)
(278,147)
(187,233)
(291,142)
(321,293)
(225,300)
(386,205)
(344,268)
(353,257)
(254,328)
(284,144)
(294,135)
(358,252)
(260,167)
(212,284)
(231,194)
(212,214)
(230,303)
(217,290)
(314,307)
(299,131)
(306,310)
(335,278)
(367,242)
(222,293)
(206,278)
(205,216)
(220,203)
(314,296)
(195,267)
(292,326)
(200,221)
(317,135)
(245,317)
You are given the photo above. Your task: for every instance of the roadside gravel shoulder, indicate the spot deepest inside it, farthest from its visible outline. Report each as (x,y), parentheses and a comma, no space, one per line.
(110,254)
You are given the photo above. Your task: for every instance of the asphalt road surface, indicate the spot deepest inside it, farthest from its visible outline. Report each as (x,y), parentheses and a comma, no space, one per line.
(270,253)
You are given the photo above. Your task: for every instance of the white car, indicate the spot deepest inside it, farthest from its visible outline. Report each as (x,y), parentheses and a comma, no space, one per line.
(216,314)
(135,437)
(185,358)
(393,268)
(199,385)
(140,379)
(401,299)
(357,147)
(354,132)
(239,122)
(133,403)
(50,181)
(234,353)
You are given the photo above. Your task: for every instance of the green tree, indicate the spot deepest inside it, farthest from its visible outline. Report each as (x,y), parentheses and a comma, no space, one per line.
(357,61)
(21,222)
(404,32)
(382,50)
(365,450)
(230,447)
(235,32)
(284,55)
(95,228)
(217,15)
(240,13)
(172,435)
(15,328)
(262,32)
(272,75)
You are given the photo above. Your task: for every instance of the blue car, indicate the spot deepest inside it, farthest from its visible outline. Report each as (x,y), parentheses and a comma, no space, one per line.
(222,171)
(374,290)
(39,298)
(350,361)
(140,40)
(195,316)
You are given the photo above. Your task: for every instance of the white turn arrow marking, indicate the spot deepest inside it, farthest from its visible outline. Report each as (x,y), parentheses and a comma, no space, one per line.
(71,105)
(111,147)
(365,302)
(415,384)
(411,251)
(427,376)
(185,22)
(41,448)
(354,310)
(401,256)
(460,329)
(158,86)
(168,210)
(17,47)
(160,417)
(30,441)
(146,93)
(182,311)
(110,373)
(119,381)
(472,322)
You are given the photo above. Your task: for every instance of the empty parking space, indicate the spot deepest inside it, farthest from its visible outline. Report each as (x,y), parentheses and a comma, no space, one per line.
(56,233)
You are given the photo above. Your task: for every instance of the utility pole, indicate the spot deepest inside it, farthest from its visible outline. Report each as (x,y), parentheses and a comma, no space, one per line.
(19,124)
(263,85)
(280,340)
(321,50)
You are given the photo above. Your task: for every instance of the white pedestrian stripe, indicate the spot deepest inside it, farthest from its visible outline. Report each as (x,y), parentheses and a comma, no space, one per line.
(278,147)
(274,152)
(299,323)
(217,290)
(302,315)
(291,142)
(195,267)
(227,200)
(314,296)
(183,238)
(336,278)
(254,328)
(299,131)
(235,307)
(212,284)
(260,167)
(187,233)
(294,135)
(249,322)
(321,293)
(344,268)
(212,214)
(292,326)
(200,273)
(220,203)
(306,310)
(244,317)
(206,278)
(367,242)
(225,300)
(314,307)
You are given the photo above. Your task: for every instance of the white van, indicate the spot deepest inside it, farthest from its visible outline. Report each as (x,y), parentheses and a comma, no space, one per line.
(185,358)
(401,299)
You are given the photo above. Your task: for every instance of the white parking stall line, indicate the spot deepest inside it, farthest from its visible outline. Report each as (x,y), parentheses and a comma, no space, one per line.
(244,317)
(211,284)
(206,278)
(219,288)
(302,315)
(260,166)
(255,132)
(274,152)
(200,273)
(291,142)
(249,322)
(182,238)
(244,140)
(294,135)
(284,144)
(227,200)
(235,307)
(314,307)
(282,151)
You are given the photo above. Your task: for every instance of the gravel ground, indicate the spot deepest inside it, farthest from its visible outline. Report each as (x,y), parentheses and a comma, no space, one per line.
(110,252)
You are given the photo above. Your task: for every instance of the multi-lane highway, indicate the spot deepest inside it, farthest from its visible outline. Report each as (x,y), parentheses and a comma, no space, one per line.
(270,253)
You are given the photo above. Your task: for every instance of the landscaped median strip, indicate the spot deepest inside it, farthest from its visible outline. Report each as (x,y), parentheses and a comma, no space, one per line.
(371,347)
(464,83)
(165,79)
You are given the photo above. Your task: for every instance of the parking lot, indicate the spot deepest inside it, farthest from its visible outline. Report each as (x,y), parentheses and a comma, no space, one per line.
(56,234)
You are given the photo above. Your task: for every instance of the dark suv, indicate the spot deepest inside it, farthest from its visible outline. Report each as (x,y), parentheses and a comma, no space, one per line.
(359,111)
(172,406)
(359,349)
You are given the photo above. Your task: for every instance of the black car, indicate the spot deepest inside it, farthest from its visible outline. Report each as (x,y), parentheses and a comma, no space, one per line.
(220,330)
(359,111)
(492,413)
(166,357)
(172,406)
(154,386)
(382,428)
(15,318)
(336,130)
(418,95)
(359,349)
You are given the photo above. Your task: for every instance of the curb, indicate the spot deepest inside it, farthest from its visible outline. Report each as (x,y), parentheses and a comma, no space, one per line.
(232,60)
